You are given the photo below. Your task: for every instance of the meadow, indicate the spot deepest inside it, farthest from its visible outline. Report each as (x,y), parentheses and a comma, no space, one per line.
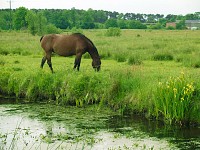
(151,72)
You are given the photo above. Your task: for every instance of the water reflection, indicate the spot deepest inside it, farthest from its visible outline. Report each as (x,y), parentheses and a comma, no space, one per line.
(182,137)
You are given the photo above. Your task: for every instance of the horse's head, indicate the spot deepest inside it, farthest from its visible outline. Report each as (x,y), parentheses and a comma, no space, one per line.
(96,64)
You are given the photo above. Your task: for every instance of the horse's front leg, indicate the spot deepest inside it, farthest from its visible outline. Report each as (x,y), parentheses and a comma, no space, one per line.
(77,61)
(48,57)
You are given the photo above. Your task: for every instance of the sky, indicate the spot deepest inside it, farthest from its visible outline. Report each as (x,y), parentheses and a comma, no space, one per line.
(177,7)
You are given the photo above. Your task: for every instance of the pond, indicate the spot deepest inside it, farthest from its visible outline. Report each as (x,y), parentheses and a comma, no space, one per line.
(46,126)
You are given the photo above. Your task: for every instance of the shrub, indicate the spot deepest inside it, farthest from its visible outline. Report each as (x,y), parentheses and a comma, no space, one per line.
(76,30)
(170,28)
(52,29)
(113,32)
(156,26)
(3,52)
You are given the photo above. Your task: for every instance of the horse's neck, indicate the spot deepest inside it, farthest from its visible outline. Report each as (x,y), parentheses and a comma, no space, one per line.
(93,53)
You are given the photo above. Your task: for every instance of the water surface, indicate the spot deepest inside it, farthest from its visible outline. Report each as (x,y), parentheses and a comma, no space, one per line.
(46,126)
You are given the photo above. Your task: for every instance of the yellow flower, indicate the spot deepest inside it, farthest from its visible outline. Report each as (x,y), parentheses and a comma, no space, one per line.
(182,99)
(175,90)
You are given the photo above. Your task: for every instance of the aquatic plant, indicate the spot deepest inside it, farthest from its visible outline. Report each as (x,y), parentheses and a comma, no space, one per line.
(174,100)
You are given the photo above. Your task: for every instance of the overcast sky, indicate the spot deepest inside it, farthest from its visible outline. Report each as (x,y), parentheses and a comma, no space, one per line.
(123,6)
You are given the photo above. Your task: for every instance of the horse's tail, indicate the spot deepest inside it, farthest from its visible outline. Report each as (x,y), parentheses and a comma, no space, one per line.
(41,38)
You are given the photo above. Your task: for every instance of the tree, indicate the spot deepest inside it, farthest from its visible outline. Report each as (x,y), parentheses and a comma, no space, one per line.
(41,23)
(20,18)
(181,25)
(31,19)
(74,18)
(132,24)
(100,16)
(62,20)
(151,18)
(122,24)
(5,19)
(88,20)
(50,28)
(111,23)
(170,18)
(194,16)
(163,22)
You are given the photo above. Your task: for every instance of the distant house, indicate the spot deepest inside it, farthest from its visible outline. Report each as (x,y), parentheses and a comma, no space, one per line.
(192,24)
(171,24)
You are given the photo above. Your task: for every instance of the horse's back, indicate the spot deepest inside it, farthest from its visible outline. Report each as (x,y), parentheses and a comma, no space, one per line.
(65,45)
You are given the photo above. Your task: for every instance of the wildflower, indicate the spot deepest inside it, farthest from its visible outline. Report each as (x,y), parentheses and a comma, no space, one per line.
(175,90)
(182,73)
(182,99)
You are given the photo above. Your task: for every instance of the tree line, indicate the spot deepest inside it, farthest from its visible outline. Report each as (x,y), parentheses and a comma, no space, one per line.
(42,20)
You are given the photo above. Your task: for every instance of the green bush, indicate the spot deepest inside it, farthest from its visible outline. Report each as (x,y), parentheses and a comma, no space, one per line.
(76,30)
(52,29)
(113,32)
(156,26)
(170,28)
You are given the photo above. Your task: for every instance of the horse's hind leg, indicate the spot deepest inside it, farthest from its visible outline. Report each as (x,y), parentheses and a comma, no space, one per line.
(43,61)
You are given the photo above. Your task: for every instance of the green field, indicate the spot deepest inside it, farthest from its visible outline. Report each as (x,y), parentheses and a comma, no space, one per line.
(152,72)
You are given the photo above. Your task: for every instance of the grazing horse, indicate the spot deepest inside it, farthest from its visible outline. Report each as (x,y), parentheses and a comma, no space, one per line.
(68,45)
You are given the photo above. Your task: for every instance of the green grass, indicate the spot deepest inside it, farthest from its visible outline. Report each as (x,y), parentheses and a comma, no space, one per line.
(128,81)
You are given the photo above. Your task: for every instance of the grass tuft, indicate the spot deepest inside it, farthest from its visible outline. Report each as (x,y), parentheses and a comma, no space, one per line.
(163,57)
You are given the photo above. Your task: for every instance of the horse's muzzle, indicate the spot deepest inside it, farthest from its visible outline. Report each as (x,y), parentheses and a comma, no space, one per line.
(98,68)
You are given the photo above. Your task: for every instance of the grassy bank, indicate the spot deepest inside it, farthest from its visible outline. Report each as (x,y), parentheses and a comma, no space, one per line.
(151,72)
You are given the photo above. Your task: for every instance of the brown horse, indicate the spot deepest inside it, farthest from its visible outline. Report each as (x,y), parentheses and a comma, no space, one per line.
(68,45)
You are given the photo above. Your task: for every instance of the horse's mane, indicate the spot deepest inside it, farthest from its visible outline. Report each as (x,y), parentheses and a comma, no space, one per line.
(81,35)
